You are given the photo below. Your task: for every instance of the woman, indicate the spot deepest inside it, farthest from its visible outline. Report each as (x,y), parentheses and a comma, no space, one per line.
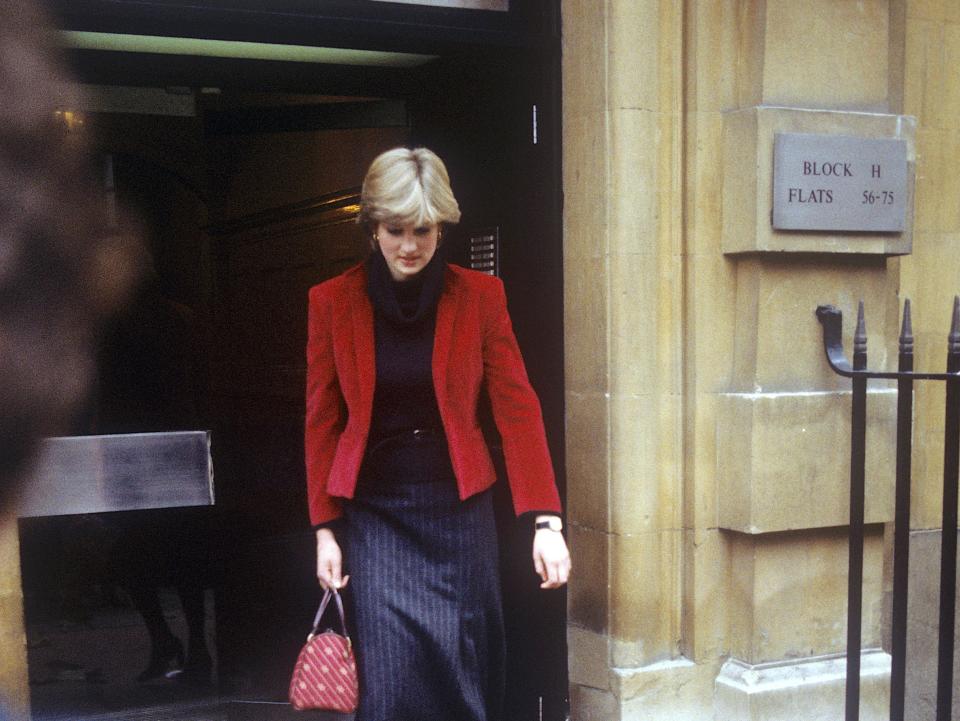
(397,467)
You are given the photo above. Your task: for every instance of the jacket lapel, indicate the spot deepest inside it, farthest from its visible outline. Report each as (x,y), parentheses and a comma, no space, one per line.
(447,309)
(361,312)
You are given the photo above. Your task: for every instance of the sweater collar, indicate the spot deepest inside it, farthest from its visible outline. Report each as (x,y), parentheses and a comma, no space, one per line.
(413,300)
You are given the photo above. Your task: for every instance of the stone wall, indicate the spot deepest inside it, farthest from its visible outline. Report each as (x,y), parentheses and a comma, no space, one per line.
(14,690)
(708,451)
(930,277)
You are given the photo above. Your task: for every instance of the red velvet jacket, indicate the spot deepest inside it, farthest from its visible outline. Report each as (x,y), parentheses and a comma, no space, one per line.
(473,345)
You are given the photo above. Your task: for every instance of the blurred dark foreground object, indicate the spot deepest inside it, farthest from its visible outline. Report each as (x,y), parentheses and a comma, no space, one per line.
(65,263)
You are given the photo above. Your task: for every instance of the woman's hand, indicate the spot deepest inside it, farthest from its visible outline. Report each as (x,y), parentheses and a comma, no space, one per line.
(551,559)
(329,560)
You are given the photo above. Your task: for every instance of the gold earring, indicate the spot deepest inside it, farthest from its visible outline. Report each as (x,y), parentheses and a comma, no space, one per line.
(376,238)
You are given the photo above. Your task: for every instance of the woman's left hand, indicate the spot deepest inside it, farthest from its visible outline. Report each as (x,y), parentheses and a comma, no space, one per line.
(551,559)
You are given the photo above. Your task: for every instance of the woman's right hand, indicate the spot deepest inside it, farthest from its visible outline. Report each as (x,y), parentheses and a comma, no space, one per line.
(329,560)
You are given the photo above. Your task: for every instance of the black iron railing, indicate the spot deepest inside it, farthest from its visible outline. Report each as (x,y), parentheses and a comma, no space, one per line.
(832,321)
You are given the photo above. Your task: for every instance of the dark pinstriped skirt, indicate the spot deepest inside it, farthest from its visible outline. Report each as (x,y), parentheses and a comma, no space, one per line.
(425,582)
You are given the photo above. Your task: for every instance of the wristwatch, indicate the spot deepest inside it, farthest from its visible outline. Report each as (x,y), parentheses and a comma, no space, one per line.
(552,524)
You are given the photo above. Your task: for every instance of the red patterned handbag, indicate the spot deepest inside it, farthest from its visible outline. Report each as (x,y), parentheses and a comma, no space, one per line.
(325,676)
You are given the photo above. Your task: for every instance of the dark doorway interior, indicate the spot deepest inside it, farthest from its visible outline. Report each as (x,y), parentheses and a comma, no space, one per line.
(248,201)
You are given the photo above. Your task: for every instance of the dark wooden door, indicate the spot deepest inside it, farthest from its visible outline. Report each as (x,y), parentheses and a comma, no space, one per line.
(476,109)
(494,118)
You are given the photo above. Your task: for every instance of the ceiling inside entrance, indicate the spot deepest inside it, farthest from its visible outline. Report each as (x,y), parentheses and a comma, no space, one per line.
(204,47)
(500,5)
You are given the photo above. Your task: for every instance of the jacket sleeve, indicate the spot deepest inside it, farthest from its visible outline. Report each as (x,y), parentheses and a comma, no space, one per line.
(325,408)
(516,411)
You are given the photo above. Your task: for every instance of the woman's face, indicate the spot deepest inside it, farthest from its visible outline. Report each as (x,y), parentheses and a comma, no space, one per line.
(407,248)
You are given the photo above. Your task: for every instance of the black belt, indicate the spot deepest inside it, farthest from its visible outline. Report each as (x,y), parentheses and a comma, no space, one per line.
(409,434)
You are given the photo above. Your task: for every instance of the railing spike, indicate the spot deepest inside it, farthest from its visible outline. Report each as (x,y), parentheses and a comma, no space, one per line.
(906,329)
(953,339)
(831,322)
(860,334)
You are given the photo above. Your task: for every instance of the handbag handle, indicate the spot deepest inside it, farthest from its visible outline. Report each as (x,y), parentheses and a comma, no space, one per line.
(330,592)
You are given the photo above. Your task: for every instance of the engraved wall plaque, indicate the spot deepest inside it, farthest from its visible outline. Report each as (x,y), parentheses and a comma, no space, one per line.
(839,183)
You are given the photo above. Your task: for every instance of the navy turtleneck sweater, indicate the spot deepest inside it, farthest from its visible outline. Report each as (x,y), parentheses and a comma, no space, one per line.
(405,317)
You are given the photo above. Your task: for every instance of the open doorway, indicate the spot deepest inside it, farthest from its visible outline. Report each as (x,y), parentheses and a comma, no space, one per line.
(144,608)
(246,177)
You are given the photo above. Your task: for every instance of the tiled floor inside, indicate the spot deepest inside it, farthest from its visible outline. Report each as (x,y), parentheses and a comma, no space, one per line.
(86,669)
(207,711)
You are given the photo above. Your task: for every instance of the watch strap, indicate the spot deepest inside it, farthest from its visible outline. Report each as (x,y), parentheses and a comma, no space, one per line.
(552,524)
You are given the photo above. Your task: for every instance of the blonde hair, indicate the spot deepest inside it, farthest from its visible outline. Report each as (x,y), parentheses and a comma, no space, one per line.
(407,186)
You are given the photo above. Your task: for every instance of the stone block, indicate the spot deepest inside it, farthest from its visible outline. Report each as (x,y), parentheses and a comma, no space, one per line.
(639,485)
(826,54)
(751,24)
(801,613)
(588,463)
(634,44)
(707,604)
(741,595)
(927,9)
(635,144)
(9,555)
(932,170)
(705,206)
(634,323)
(584,52)
(585,181)
(926,487)
(14,690)
(591,704)
(589,658)
(700,486)
(914,68)
(938,79)
(949,104)
(784,460)
(645,464)
(950,212)
(713,280)
(896,57)
(643,622)
(778,342)
(588,599)
(931,284)
(924,73)
(669,208)
(715,33)
(808,690)
(585,325)
(678,690)
(923,630)
(748,180)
